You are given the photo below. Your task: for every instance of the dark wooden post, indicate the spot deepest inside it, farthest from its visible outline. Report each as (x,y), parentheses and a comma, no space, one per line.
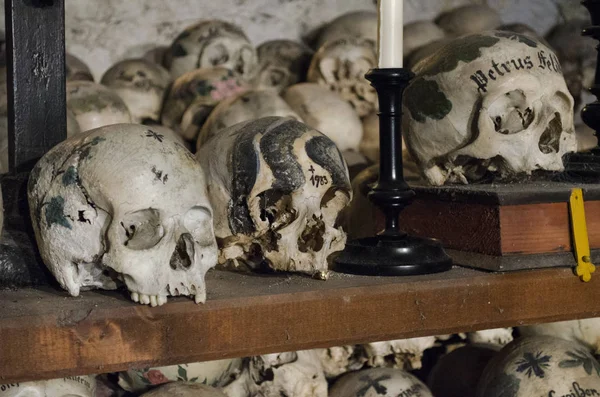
(35,45)
(35,56)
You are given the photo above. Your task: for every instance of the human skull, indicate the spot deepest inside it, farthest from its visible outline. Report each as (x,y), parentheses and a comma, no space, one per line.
(341,66)
(212,43)
(184,389)
(95,105)
(277,187)
(584,331)
(494,102)
(521,28)
(326,112)
(194,95)
(141,85)
(468,19)
(296,374)
(402,353)
(387,382)
(76,69)
(424,52)
(70,386)
(457,373)
(282,63)
(420,33)
(250,105)
(541,366)
(497,336)
(212,373)
(123,203)
(341,359)
(358,24)
(577,55)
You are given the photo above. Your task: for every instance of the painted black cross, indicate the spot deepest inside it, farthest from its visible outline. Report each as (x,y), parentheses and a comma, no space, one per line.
(373,383)
(311,169)
(155,135)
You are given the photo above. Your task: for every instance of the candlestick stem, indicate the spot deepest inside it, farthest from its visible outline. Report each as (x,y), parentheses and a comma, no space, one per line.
(392,252)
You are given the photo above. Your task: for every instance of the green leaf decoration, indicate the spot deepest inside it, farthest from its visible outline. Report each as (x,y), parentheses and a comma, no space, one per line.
(182,372)
(194,379)
(583,359)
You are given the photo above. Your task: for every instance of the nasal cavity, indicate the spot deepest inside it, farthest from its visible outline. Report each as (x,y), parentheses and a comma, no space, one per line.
(184,253)
(550,139)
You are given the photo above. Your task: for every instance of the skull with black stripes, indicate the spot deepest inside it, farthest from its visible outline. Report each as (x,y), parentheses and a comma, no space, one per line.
(277,187)
(124,203)
(488,103)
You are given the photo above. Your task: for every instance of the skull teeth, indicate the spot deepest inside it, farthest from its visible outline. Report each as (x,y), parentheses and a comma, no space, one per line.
(152,300)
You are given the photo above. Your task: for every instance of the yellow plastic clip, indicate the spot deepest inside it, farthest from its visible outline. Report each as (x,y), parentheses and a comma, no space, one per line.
(585,268)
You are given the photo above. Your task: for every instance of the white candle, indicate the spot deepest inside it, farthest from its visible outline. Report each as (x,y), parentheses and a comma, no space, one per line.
(390,33)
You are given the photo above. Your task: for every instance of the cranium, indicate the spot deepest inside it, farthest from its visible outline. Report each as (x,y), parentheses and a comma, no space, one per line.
(212,43)
(577,55)
(420,33)
(341,359)
(521,28)
(341,66)
(325,111)
(402,353)
(386,382)
(457,373)
(468,19)
(277,187)
(76,69)
(494,102)
(582,331)
(424,52)
(142,86)
(212,373)
(123,202)
(497,336)
(282,63)
(184,389)
(95,105)
(249,105)
(358,24)
(541,366)
(296,374)
(194,95)
(70,386)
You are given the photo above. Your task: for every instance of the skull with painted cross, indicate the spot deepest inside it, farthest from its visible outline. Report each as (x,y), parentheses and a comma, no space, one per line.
(277,187)
(541,366)
(124,203)
(494,102)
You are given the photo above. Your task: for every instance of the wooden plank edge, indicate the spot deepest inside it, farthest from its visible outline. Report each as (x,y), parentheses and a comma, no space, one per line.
(137,336)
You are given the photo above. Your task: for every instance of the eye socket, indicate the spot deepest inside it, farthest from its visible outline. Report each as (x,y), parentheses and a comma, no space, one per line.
(217,54)
(142,229)
(198,222)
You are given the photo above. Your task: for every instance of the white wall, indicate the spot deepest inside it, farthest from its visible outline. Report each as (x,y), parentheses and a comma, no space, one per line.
(104,31)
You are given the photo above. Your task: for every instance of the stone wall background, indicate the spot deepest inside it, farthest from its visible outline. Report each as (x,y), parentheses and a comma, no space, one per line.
(102,32)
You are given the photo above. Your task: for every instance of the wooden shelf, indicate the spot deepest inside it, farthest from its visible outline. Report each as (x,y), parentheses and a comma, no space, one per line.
(46,334)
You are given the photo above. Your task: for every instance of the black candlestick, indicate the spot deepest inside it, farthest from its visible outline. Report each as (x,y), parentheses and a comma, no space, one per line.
(586,166)
(392,252)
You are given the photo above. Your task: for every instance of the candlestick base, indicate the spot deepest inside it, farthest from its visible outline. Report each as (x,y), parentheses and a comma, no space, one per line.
(400,255)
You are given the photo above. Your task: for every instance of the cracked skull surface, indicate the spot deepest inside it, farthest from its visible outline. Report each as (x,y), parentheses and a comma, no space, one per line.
(212,43)
(541,366)
(489,103)
(277,187)
(124,203)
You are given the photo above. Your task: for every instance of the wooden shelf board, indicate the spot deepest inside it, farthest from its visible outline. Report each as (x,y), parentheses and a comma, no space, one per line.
(46,334)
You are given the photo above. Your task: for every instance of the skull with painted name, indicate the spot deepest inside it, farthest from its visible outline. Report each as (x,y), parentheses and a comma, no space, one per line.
(277,187)
(494,102)
(124,203)
(212,43)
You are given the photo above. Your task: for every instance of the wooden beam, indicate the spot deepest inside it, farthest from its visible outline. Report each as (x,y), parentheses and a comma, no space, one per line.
(46,334)
(35,46)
